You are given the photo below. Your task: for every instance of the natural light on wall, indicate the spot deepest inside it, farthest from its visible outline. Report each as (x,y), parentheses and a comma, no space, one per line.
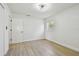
(42,6)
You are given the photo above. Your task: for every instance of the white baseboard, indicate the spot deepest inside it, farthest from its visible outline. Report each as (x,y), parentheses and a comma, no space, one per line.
(65,45)
(26,40)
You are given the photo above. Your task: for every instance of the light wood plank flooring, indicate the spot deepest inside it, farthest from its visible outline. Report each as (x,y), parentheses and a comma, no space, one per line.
(39,48)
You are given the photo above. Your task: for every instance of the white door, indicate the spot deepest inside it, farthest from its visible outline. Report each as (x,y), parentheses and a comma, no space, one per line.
(6,29)
(17,30)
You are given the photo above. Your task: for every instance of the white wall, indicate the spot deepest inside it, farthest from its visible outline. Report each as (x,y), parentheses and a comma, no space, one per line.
(26,28)
(66,30)
(1,32)
(4,41)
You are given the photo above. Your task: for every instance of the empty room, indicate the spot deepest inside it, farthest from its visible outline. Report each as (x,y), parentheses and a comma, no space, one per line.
(39,29)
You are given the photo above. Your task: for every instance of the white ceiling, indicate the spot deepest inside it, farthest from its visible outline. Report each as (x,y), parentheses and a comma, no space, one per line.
(28,8)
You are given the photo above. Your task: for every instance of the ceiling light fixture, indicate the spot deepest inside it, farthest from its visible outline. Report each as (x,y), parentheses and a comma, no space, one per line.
(28,15)
(42,6)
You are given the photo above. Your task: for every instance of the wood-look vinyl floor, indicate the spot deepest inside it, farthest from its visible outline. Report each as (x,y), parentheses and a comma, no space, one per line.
(38,48)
